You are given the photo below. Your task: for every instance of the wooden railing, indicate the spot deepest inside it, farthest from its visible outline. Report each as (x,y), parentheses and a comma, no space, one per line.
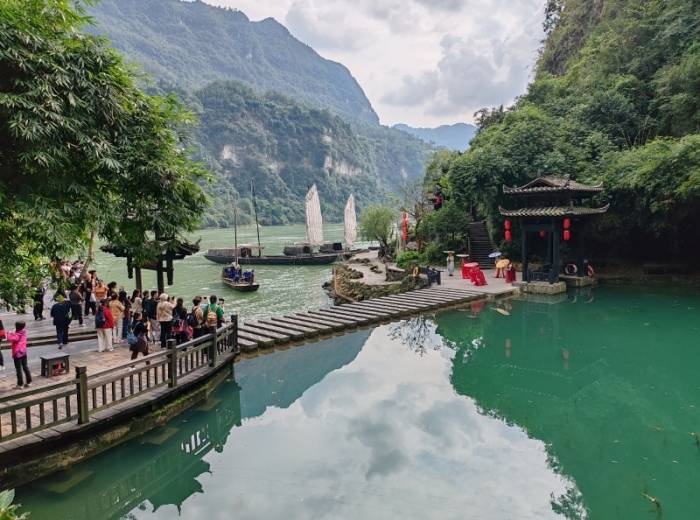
(77,399)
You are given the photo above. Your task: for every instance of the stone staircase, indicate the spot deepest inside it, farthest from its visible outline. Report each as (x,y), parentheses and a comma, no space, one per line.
(480,244)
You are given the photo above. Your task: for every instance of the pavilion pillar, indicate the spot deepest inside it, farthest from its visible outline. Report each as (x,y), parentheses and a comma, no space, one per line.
(556,252)
(139,280)
(581,269)
(523,247)
(169,266)
(159,275)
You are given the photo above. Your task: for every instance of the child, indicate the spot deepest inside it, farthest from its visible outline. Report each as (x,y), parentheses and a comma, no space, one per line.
(2,336)
(18,340)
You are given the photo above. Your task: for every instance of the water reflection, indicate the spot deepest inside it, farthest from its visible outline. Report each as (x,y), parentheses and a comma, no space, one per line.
(356,426)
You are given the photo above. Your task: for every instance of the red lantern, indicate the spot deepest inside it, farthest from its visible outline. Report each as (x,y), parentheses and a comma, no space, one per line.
(506,224)
(509,235)
(567,223)
(543,233)
(567,235)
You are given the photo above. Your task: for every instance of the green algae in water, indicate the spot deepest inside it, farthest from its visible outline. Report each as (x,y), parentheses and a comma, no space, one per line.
(584,408)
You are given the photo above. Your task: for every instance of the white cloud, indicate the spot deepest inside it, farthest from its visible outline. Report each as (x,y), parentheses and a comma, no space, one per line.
(421,62)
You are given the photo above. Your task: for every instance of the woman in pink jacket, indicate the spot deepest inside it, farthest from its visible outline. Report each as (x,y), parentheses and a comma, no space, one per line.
(18,341)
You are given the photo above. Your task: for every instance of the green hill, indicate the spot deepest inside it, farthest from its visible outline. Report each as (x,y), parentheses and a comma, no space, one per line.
(192,43)
(271,109)
(616,99)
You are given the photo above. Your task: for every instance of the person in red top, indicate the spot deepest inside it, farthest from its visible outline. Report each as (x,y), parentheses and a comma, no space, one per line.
(18,340)
(2,337)
(104,322)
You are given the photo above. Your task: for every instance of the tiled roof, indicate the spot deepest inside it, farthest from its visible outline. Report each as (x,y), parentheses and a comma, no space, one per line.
(555,211)
(552,184)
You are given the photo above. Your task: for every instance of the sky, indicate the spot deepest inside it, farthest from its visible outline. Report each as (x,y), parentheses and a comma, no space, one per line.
(420,62)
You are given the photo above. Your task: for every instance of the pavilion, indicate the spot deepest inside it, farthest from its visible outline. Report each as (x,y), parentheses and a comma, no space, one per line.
(551,210)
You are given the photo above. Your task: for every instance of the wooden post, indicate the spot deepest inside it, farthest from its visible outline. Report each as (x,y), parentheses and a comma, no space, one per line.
(82,394)
(234,333)
(139,280)
(172,364)
(159,272)
(523,247)
(213,351)
(169,266)
(556,251)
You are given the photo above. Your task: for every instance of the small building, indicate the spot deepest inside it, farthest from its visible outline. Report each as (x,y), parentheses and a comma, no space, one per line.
(551,212)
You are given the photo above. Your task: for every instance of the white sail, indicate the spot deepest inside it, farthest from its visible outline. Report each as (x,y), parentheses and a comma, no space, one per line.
(314,221)
(350,222)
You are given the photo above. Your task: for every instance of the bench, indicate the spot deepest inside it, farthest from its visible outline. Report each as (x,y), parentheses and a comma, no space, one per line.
(55,364)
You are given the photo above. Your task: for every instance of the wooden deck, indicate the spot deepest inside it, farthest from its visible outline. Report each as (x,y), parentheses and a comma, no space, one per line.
(52,406)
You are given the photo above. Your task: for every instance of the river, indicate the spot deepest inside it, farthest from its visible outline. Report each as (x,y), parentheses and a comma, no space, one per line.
(282,288)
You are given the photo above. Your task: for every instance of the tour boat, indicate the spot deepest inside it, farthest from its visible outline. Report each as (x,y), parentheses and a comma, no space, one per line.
(314,251)
(233,275)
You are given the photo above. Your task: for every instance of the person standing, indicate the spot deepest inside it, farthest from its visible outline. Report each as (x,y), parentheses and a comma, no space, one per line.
(117,309)
(18,341)
(2,337)
(38,299)
(88,287)
(195,319)
(61,314)
(164,316)
(136,302)
(450,263)
(126,317)
(104,323)
(150,311)
(76,304)
(214,314)
(140,331)
(100,291)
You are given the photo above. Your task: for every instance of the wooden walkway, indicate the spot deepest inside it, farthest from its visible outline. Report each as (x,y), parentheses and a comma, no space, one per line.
(54,405)
(265,333)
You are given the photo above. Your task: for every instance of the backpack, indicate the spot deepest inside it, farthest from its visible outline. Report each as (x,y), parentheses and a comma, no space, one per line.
(100,319)
(212,318)
(192,320)
(132,339)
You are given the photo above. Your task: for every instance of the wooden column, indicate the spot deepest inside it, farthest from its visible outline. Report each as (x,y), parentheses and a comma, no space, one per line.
(159,275)
(169,266)
(556,253)
(523,246)
(139,280)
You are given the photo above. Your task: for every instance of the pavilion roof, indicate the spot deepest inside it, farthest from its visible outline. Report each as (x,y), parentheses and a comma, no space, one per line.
(553,211)
(552,184)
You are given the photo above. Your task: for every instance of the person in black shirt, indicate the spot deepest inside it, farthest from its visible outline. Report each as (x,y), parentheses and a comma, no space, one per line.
(38,302)
(76,304)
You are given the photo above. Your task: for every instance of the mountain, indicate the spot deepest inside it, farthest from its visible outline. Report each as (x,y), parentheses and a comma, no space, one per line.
(452,137)
(284,147)
(193,43)
(270,109)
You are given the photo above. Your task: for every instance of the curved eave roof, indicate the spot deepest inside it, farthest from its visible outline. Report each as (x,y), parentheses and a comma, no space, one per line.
(554,211)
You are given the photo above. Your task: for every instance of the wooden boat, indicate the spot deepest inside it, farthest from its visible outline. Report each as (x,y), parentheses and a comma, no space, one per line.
(232,274)
(241,286)
(312,252)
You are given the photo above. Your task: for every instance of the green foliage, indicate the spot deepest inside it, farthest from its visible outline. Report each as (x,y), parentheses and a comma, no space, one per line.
(444,230)
(81,147)
(377,223)
(199,43)
(615,100)
(8,510)
(249,130)
(408,258)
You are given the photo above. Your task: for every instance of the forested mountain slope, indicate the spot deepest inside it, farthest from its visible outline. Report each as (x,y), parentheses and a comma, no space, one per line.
(615,99)
(452,137)
(271,109)
(194,43)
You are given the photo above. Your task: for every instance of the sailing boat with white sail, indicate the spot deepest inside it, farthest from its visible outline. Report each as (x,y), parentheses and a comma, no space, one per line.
(312,252)
(350,221)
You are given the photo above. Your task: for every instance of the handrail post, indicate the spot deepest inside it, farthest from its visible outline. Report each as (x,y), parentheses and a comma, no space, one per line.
(213,350)
(82,394)
(172,364)
(233,337)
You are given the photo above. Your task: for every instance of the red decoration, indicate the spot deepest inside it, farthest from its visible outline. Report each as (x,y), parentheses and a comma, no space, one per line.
(567,223)
(567,235)
(509,235)
(404,227)
(506,224)
(543,233)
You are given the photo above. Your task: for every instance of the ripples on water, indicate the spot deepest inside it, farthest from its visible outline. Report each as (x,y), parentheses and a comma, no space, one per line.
(565,409)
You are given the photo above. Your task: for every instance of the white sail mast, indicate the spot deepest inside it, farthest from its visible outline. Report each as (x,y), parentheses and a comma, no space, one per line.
(350,222)
(314,221)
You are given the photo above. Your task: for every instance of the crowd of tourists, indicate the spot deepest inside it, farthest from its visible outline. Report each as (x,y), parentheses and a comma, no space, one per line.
(140,320)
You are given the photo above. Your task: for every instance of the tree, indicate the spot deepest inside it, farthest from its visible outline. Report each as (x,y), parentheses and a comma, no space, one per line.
(377,223)
(81,147)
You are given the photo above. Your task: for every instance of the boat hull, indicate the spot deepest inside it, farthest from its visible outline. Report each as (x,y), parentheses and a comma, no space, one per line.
(317,259)
(241,287)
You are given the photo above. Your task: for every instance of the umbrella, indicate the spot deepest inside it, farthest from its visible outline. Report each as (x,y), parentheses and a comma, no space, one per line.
(495,254)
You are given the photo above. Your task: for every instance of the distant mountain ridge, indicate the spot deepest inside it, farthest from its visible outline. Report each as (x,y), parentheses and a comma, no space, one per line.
(267,117)
(224,44)
(453,137)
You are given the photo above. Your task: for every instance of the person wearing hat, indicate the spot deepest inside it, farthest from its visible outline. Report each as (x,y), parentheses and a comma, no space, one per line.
(61,314)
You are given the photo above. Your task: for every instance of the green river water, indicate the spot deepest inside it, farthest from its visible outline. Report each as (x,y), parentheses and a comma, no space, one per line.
(283,288)
(567,408)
